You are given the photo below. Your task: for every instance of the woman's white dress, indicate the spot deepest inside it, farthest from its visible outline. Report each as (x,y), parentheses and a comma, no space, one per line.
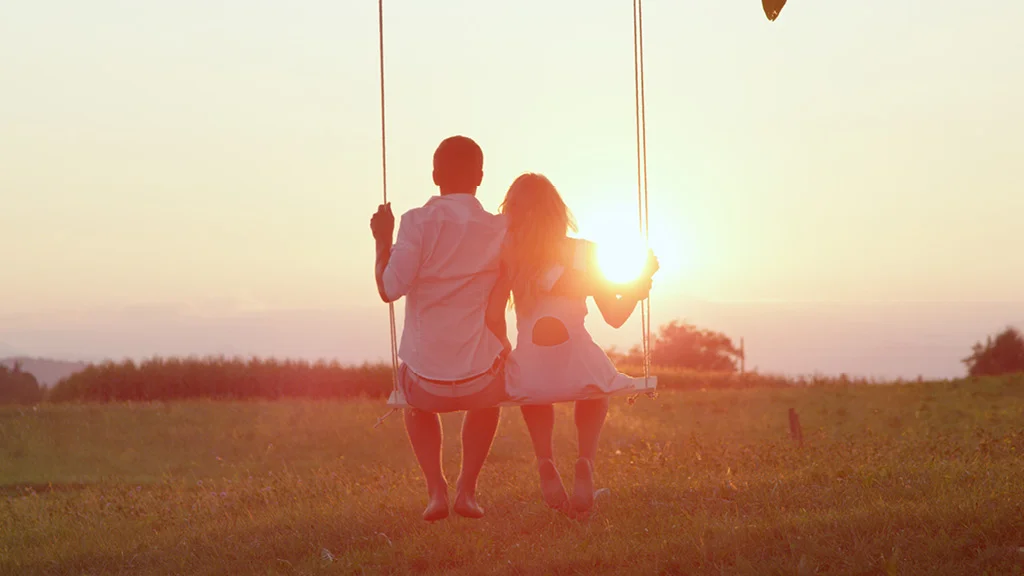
(574,369)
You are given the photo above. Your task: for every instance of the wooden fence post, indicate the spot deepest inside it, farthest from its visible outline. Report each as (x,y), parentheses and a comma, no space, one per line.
(795,431)
(743,357)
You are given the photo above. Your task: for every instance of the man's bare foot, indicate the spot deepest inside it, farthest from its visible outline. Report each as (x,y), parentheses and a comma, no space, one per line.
(551,486)
(466,505)
(583,489)
(437,508)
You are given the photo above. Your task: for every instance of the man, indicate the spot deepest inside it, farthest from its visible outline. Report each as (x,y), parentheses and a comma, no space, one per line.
(445,262)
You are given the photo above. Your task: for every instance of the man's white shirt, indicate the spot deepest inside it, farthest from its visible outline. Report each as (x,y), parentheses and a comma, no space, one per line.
(445,261)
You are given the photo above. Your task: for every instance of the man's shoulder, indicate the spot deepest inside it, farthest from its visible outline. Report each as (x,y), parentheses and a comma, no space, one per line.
(416,217)
(416,212)
(433,208)
(497,221)
(438,209)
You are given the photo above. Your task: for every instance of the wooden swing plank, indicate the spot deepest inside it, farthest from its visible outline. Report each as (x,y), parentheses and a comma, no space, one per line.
(397,398)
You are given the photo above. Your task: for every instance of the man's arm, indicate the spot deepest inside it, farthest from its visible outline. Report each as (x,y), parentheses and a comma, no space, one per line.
(396,264)
(381,264)
(382,224)
(494,317)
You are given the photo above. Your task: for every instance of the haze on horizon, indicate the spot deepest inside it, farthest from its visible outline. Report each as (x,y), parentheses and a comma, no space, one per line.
(182,177)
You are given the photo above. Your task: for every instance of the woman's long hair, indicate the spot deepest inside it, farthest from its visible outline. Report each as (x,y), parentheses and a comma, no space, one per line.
(537,220)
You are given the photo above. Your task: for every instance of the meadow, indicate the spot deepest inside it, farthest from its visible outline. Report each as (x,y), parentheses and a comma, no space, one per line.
(917,478)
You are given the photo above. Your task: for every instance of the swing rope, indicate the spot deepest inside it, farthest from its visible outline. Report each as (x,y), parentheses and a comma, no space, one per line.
(641,183)
(384,181)
(641,172)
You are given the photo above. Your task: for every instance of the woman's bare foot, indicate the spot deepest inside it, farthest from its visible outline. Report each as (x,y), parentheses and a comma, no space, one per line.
(437,507)
(467,506)
(551,486)
(583,489)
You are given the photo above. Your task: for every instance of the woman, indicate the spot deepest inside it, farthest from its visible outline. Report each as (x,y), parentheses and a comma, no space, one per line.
(549,277)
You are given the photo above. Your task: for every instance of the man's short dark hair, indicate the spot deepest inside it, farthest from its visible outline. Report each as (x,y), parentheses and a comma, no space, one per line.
(458,164)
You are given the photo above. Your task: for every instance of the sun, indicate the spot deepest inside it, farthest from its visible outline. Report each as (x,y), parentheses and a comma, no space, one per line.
(621,259)
(621,249)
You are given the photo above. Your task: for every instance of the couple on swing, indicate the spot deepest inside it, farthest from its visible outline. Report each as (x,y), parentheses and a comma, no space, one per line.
(457,266)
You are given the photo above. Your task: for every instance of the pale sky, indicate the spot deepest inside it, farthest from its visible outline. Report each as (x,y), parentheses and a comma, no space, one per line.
(223,157)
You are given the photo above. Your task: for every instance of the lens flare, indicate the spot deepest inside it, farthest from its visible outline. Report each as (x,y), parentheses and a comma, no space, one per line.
(621,260)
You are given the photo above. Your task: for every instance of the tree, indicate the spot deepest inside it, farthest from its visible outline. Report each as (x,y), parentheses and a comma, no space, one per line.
(18,387)
(681,345)
(1002,355)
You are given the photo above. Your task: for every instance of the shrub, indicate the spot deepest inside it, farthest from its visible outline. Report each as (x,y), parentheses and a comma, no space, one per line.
(221,378)
(1002,355)
(164,379)
(18,387)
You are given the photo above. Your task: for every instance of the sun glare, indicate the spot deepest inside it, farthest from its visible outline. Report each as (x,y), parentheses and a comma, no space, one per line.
(621,260)
(621,249)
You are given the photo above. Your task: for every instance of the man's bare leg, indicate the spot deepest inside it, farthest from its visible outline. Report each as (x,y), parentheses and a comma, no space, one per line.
(540,421)
(478,429)
(424,429)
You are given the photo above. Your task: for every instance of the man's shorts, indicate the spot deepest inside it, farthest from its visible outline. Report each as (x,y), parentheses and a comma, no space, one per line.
(483,391)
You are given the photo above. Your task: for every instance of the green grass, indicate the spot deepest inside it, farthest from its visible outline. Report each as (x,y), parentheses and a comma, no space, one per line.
(911,479)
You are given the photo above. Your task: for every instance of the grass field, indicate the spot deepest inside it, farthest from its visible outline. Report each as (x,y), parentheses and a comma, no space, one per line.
(910,479)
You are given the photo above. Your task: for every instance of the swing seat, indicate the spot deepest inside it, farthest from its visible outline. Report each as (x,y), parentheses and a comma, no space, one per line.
(641,386)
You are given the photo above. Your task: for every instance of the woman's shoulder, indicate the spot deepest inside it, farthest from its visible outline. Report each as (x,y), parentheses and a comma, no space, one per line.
(581,244)
(581,254)
(576,268)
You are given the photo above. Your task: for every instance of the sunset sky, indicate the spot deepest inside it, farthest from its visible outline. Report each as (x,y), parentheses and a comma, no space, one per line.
(223,157)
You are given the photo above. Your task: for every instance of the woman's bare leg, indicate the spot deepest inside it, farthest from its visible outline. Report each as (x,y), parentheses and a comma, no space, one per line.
(540,421)
(590,416)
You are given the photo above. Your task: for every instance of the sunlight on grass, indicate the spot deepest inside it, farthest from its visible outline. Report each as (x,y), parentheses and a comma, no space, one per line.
(920,479)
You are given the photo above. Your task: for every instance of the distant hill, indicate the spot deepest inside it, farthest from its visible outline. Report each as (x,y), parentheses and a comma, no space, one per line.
(47,372)
(884,340)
